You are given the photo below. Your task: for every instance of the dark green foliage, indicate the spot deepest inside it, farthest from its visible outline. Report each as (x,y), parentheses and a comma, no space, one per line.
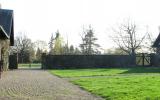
(51,44)
(89,45)
(71,49)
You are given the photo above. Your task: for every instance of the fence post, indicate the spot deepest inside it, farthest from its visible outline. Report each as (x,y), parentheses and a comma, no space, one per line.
(43,62)
(13,61)
(152,59)
(143,59)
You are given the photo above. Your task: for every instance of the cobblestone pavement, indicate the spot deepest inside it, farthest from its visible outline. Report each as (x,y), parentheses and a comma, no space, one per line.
(39,85)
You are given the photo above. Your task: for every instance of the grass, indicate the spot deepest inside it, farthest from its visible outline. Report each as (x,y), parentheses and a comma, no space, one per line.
(105,71)
(87,72)
(28,65)
(117,83)
(123,88)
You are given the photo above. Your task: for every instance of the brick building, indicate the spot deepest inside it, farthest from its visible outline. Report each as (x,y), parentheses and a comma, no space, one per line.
(6,36)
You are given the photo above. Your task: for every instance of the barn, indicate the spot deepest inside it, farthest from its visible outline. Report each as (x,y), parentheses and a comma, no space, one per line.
(6,36)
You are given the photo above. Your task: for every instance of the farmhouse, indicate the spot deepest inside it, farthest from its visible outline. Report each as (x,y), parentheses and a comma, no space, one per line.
(157,44)
(6,36)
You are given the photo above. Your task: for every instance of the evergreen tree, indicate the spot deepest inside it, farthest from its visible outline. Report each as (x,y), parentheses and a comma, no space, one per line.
(66,49)
(71,49)
(51,44)
(77,51)
(89,45)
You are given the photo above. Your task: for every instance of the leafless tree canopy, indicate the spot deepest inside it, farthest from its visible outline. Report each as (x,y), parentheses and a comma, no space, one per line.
(23,47)
(127,38)
(22,43)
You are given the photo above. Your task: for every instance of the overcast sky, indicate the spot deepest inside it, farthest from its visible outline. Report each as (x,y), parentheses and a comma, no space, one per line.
(40,18)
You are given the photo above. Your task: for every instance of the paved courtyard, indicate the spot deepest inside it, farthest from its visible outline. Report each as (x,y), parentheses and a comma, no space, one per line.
(39,85)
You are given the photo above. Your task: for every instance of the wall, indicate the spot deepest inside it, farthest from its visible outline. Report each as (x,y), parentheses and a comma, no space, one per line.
(4,49)
(86,61)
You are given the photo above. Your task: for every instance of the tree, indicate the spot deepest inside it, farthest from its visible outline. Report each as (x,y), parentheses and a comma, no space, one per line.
(115,51)
(56,44)
(24,48)
(89,45)
(42,45)
(51,44)
(38,55)
(77,51)
(127,39)
(148,43)
(71,50)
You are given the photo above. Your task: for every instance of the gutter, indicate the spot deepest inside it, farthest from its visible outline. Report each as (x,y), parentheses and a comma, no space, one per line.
(1,29)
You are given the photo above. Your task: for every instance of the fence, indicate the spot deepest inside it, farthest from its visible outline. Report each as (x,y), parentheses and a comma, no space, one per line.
(13,61)
(86,61)
(155,59)
(143,59)
(148,59)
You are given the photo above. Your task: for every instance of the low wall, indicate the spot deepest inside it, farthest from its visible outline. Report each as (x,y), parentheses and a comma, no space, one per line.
(86,61)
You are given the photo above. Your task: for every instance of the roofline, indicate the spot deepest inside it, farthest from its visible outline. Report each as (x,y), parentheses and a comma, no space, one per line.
(4,31)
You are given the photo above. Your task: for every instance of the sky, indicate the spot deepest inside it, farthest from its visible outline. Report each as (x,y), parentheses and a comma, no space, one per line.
(38,19)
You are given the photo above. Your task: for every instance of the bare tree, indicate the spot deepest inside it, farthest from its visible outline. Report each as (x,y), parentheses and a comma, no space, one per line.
(127,39)
(42,45)
(148,43)
(24,47)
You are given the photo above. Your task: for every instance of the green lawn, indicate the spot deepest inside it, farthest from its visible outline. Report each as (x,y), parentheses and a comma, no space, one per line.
(123,88)
(28,65)
(87,72)
(105,71)
(117,83)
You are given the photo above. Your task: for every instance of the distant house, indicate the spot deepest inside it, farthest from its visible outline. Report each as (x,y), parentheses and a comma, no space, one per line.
(6,36)
(156,44)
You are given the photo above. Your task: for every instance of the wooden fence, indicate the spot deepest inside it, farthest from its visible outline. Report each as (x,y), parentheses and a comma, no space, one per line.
(86,61)
(13,61)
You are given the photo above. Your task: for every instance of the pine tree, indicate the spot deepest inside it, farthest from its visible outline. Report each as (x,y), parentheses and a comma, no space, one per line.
(77,51)
(51,44)
(71,49)
(89,45)
(65,49)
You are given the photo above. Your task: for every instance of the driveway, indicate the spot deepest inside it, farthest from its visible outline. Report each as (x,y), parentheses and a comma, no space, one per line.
(27,84)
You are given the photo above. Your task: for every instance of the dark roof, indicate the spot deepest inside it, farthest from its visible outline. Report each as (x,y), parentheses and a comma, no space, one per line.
(7,25)
(157,42)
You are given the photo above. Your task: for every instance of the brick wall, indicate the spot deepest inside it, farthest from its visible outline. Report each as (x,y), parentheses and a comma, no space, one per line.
(4,55)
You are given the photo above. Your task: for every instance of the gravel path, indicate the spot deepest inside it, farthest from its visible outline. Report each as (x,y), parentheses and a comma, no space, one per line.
(39,85)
